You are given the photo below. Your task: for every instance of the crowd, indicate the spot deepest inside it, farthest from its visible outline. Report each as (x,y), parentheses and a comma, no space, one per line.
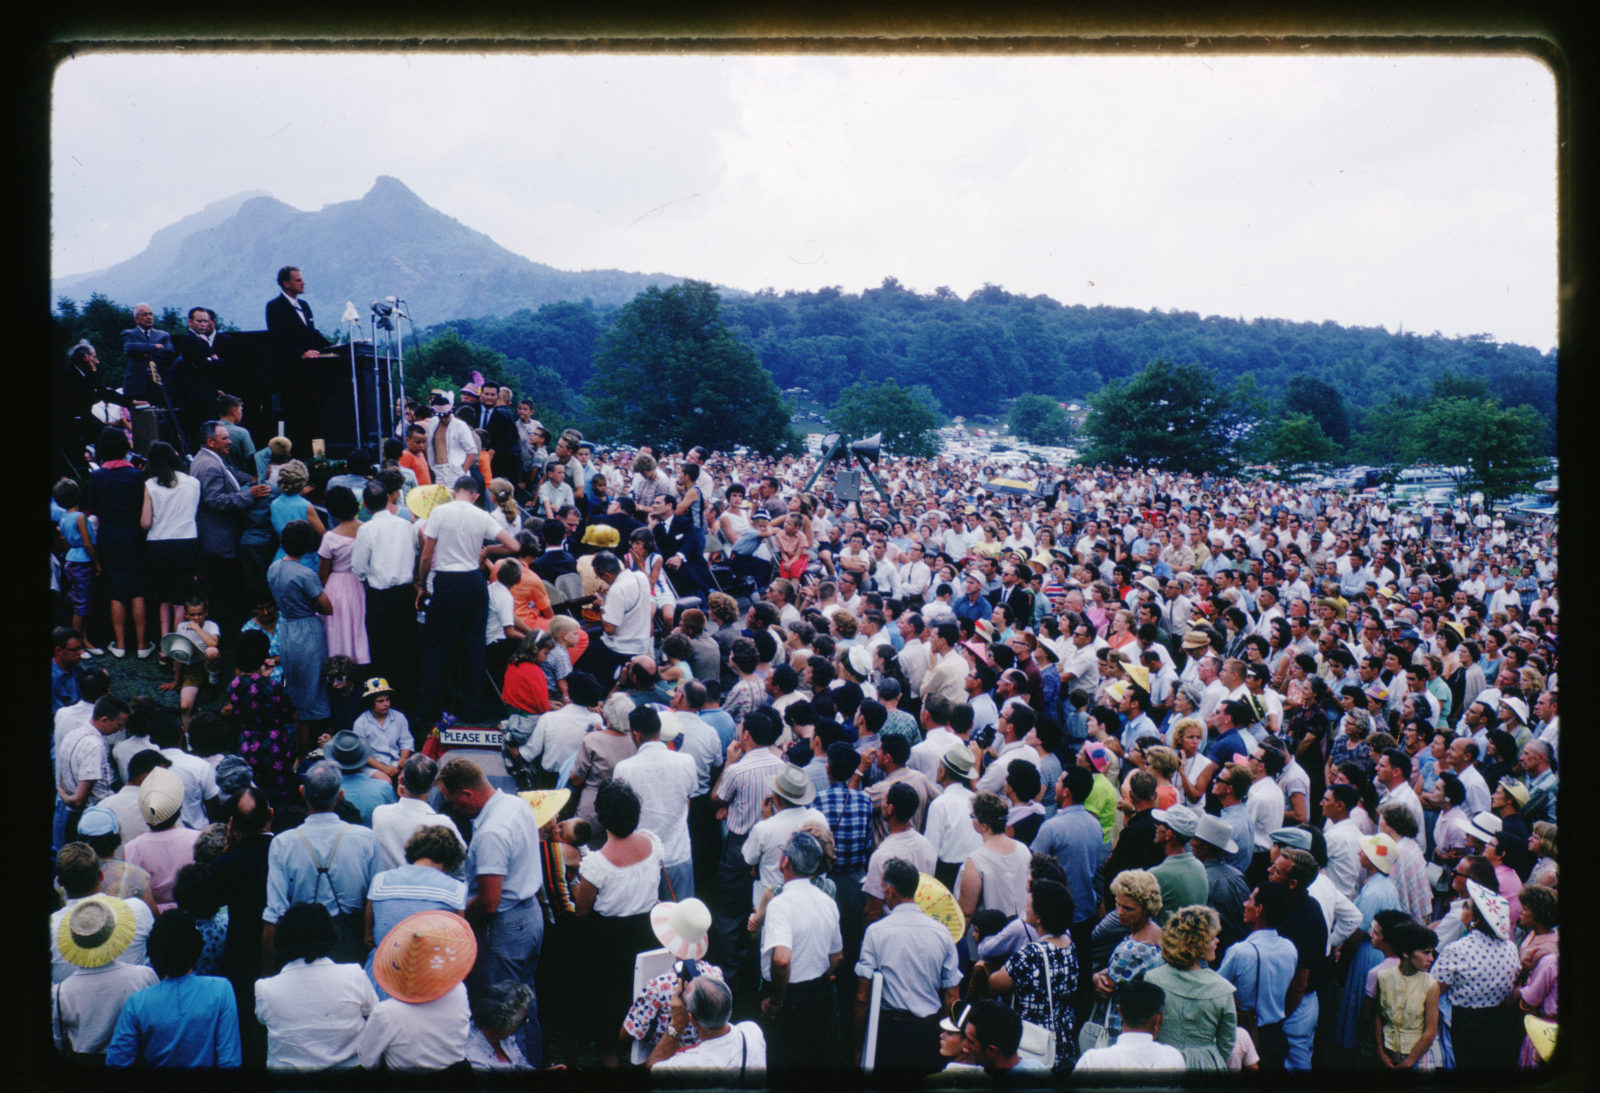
(1134,770)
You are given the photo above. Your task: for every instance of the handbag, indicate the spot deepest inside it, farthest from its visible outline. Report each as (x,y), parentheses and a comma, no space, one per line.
(1095,1034)
(1037,1041)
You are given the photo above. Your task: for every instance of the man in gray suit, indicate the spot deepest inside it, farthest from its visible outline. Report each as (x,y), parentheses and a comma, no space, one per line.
(219,520)
(144,346)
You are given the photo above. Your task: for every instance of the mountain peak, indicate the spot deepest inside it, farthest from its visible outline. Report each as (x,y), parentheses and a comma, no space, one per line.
(389,188)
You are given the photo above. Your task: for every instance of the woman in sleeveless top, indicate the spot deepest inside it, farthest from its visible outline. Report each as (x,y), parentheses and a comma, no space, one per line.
(996,875)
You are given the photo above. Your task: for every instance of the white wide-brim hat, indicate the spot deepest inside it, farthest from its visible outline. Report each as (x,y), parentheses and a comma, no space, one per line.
(683,928)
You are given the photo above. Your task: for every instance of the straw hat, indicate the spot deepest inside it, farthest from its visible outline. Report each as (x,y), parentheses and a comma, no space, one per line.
(1495,909)
(376,687)
(1380,850)
(958,761)
(160,796)
(96,931)
(684,928)
(1542,1034)
(546,803)
(422,499)
(794,785)
(425,956)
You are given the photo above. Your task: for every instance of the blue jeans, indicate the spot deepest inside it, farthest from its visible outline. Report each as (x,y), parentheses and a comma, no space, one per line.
(65,826)
(681,876)
(510,953)
(1299,1027)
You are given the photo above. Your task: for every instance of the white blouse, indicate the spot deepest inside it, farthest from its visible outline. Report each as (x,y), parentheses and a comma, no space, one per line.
(624,890)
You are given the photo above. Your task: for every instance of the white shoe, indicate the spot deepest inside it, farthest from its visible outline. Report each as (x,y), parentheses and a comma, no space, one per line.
(144,654)
(118,651)
(91,651)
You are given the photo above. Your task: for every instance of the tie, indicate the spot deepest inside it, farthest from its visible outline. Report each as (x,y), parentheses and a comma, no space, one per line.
(305,311)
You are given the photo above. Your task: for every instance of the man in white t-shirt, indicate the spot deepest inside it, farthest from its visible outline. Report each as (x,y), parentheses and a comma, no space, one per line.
(458,609)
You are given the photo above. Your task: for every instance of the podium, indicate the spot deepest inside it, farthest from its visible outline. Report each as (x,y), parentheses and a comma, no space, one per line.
(345,397)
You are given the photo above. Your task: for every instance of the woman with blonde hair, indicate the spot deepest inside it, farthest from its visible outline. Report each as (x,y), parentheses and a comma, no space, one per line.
(1199,1019)
(1542,842)
(1195,770)
(1163,762)
(1137,897)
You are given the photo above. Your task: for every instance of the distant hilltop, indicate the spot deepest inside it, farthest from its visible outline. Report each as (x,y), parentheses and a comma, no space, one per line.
(390,242)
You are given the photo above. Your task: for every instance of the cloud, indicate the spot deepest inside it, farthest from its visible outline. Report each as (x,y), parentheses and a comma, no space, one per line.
(1366,190)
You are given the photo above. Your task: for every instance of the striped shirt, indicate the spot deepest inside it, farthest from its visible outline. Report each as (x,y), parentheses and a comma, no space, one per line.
(744,785)
(849,813)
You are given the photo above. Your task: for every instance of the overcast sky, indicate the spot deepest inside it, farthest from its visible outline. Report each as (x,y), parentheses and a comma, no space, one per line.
(1370,191)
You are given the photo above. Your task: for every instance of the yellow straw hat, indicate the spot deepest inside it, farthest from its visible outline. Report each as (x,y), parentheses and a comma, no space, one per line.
(96,931)
(546,803)
(424,956)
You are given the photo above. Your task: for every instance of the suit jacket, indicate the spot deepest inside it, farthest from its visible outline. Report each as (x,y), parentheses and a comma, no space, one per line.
(672,536)
(293,336)
(502,429)
(143,348)
(223,503)
(200,373)
(1020,600)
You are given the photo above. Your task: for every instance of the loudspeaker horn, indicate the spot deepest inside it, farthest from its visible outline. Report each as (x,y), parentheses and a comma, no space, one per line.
(866,449)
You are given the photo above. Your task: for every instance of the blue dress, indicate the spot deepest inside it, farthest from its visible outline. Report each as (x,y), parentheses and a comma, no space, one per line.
(302,642)
(285,510)
(1377,894)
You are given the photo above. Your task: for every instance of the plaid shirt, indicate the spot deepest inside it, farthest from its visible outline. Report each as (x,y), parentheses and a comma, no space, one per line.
(849,812)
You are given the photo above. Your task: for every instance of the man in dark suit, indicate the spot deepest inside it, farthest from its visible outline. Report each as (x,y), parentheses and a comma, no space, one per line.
(297,340)
(673,535)
(289,317)
(557,560)
(202,369)
(500,421)
(144,345)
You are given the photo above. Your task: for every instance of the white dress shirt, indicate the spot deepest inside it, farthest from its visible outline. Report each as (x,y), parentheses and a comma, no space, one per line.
(1132,1051)
(928,754)
(385,553)
(426,1036)
(764,847)
(949,827)
(89,1001)
(806,922)
(558,734)
(314,1013)
(1344,855)
(394,824)
(702,744)
(664,781)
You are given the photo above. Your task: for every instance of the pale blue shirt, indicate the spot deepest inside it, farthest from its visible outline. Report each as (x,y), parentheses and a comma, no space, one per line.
(505,843)
(348,851)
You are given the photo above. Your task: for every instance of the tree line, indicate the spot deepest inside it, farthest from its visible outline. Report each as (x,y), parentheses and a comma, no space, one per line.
(1211,392)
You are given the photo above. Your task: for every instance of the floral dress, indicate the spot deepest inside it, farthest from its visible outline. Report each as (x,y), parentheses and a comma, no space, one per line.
(1044,979)
(265,717)
(1129,961)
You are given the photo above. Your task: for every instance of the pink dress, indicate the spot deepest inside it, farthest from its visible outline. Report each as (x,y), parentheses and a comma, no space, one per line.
(346,628)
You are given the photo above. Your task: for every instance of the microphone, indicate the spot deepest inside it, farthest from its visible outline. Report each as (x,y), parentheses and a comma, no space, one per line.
(351,315)
(400,308)
(380,308)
